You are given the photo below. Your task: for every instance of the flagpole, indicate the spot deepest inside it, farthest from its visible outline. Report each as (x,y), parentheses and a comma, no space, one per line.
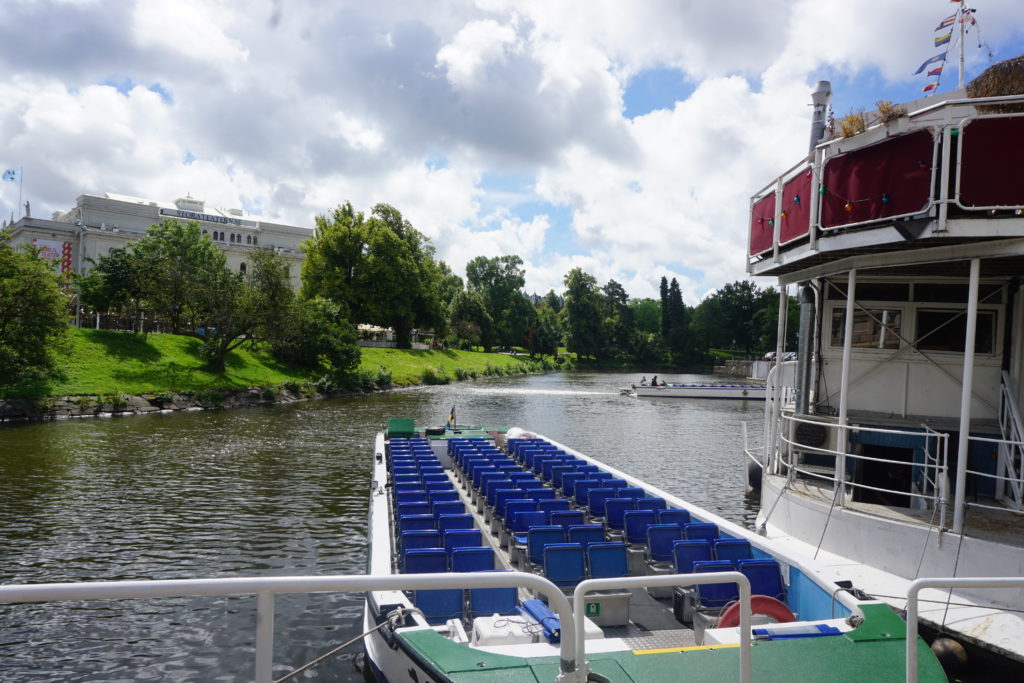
(21,182)
(960,71)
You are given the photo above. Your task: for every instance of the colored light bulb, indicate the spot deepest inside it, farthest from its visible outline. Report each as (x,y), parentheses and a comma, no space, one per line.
(848,206)
(885,199)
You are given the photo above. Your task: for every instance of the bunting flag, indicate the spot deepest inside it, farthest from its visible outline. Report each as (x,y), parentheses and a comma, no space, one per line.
(937,71)
(942,40)
(941,57)
(930,87)
(968,16)
(945,23)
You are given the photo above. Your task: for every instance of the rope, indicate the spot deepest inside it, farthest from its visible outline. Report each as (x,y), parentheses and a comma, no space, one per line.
(954,604)
(392,620)
(924,550)
(956,563)
(839,487)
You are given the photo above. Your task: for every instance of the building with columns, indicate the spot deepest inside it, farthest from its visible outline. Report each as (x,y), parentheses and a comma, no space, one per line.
(97,224)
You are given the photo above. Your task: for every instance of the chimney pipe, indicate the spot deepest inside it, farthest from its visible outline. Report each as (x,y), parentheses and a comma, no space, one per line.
(819,98)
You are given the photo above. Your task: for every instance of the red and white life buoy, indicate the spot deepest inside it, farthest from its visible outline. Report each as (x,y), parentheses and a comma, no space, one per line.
(759,604)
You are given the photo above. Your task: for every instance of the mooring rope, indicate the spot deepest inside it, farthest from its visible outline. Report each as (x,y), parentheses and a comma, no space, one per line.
(392,620)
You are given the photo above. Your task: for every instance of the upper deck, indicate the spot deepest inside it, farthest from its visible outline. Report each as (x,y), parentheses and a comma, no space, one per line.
(919,190)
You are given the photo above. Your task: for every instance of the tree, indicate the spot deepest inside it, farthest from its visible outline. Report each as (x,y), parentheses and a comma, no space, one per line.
(470,320)
(766,319)
(679,339)
(548,335)
(583,314)
(499,282)
(553,301)
(318,338)
(646,315)
(618,320)
(33,316)
(663,290)
(114,283)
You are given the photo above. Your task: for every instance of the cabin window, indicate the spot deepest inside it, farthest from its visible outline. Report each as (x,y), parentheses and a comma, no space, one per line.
(871,291)
(946,330)
(875,328)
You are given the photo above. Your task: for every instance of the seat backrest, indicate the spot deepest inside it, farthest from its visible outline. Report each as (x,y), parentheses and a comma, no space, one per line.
(558,471)
(732,549)
(582,488)
(461,538)
(597,498)
(585,534)
(569,480)
(421,538)
(615,509)
(697,530)
(411,522)
(540,494)
(514,506)
(421,508)
(522,521)
(530,484)
(446,522)
(651,504)
(685,553)
(674,516)
(564,564)
(635,523)
(540,536)
(498,497)
(660,538)
(443,496)
(607,560)
(633,492)
(712,595)
(549,506)
(472,559)
(449,507)
(765,577)
(565,518)
(425,560)
(405,497)
(483,602)
(438,485)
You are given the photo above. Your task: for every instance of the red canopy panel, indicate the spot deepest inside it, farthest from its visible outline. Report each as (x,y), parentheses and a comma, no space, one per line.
(992,163)
(796,204)
(762,216)
(892,178)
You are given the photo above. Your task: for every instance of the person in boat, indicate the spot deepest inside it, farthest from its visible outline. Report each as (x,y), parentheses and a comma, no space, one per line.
(643,382)
(654,381)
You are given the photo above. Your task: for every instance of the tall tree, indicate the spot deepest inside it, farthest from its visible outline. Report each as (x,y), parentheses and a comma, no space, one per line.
(470,320)
(618,320)
(679,335)
(583,314)
(499,282)
(663,290)
(646,315)
(548,335)
(33,316)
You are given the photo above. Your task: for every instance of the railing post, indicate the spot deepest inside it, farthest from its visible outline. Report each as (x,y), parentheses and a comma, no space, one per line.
(264,637)
(844,387)
(965,398)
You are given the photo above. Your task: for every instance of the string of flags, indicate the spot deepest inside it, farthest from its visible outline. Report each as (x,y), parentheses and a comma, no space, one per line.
(944,31)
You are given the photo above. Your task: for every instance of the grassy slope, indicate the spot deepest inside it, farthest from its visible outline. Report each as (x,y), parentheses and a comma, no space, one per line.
(99,362)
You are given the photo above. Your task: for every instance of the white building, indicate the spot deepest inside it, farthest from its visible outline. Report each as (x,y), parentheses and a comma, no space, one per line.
(95,225)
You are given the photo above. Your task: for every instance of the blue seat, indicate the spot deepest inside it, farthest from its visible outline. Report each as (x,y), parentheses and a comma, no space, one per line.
(566,518)
(425,560)
(564,565)
(581,490)
(540,494)
(483,602)
(635,523)
(615,510)
(520,476)
(557,470)
(446,522)
(731,549)
(633,492)
(461,538)
(420,538)
(699,530)
(554,505)
(569,480)
(405,487)
(607,560)
(597,498)
(714,595)
(674,516)
(765,577)
(412,522)
(615,483)
(409,469)
(529,484)
(501,496)
(443,497)
(513,507)
(522,521)
(471,558)
(686,553)
(452,507)
(651,504)
(438,486)
(540,536)
(660,538)
(419,497)
(434,479)
(585,534)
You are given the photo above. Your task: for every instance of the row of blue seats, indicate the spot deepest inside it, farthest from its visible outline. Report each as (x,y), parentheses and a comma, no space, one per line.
(532,543)
(440,605)
(566,564)
(764,576)
(441,523)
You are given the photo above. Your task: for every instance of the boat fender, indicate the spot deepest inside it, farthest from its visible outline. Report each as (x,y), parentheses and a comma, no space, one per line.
(759,604)
(950,653)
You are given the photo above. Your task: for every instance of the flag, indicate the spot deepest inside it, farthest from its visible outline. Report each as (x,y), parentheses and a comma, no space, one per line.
(12,175)
(941,57)
(930,87)
(451,419)
(937,71)
(968,15)
(942,40)
(948,21)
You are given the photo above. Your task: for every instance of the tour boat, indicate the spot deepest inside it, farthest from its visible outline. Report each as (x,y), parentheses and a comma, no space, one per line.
(511,556)
(892,449)
(751,392)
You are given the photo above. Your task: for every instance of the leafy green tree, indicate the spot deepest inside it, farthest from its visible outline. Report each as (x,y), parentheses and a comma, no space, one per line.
(553,301)
(646,315)
(679,339)
(319,338)
(548,335)
(618,320)
(470,320)
(33,316)
(584,322)
(499,282)
(766,320)
(114,284)
(727,318)
(665,324)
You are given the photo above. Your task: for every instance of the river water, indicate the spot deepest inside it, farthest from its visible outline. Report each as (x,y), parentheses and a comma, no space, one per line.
(280,490)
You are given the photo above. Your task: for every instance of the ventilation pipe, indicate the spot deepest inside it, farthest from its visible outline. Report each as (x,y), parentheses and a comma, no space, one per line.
(819,100)
(805,348)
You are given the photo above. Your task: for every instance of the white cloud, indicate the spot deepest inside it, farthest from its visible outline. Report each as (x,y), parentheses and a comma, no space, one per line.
(477,44)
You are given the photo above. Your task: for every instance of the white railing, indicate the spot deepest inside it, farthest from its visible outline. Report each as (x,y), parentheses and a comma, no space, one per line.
(573,665)
(1010,467)
(912,608)
(935,469)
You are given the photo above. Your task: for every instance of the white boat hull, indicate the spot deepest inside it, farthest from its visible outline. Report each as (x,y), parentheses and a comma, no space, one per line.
(749,392)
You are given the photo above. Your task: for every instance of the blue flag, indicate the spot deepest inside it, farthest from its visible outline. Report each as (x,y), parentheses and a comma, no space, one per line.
(941,57)
(12,175)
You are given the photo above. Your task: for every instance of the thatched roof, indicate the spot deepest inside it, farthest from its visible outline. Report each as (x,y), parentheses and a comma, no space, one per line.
(1003,78)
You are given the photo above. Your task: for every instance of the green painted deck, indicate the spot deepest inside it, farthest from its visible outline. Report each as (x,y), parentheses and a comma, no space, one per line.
(872,652)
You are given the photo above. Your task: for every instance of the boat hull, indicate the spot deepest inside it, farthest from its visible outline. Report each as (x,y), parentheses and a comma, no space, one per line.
(745,392)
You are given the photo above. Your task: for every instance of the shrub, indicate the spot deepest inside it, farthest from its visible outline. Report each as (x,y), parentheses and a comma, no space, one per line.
(853,123)
(435,376)
(461,374)
(383,377)
(269,393)
(164,397)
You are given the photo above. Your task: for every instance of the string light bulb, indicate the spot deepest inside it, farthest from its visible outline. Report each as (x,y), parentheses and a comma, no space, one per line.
(848,206)
(885,198)
(796,199)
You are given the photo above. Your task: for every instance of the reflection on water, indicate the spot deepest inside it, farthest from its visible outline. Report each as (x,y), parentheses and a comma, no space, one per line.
(278,490)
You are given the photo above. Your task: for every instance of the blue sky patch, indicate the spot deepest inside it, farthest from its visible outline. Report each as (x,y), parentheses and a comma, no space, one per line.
(188,158)
(653,89)
(164,94)
(124,85)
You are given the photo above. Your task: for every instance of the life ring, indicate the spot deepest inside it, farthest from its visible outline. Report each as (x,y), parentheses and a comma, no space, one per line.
(759,604)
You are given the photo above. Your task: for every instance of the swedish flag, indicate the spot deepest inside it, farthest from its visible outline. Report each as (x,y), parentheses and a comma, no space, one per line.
(451,419)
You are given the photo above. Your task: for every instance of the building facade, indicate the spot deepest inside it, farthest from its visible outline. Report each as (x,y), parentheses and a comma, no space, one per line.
(97,224)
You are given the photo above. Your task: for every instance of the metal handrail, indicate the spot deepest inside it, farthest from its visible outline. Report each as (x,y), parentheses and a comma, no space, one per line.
(920,584)
(591,585)
(266,587)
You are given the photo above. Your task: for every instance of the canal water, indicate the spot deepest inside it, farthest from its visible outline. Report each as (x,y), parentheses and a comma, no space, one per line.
(280,490)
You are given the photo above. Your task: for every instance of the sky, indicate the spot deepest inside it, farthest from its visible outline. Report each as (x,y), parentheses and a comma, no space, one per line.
(624,138)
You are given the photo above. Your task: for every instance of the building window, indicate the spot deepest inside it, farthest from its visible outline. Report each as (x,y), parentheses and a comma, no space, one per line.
(946,330)
(241,268)
(248,239)
(204,231)
(877,328)
(254,240)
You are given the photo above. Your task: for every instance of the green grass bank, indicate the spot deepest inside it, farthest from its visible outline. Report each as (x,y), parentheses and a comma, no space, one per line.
(97,362)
